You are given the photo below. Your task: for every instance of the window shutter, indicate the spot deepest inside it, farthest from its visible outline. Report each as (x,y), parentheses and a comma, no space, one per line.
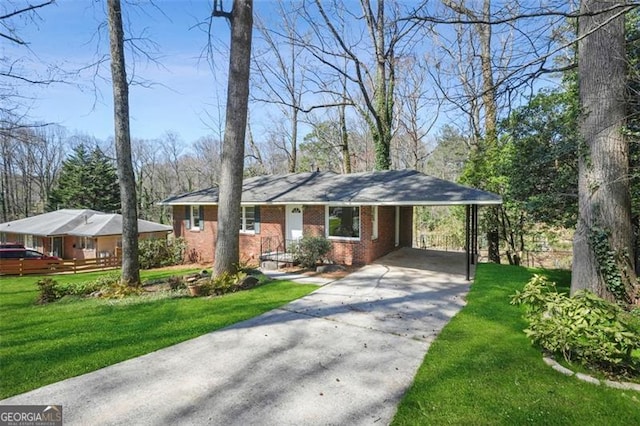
(201,217)
(187,217)
(256,226)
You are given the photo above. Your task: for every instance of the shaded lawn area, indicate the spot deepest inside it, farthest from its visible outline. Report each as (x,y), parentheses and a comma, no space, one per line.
(482,369)
(42,344)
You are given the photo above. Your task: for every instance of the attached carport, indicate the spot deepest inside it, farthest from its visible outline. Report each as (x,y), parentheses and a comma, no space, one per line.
(410,188)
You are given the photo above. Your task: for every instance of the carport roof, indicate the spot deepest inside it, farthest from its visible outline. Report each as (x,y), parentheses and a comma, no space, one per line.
(391,187)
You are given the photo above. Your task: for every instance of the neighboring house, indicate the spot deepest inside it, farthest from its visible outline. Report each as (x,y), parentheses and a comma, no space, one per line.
(76,233)
(365,215)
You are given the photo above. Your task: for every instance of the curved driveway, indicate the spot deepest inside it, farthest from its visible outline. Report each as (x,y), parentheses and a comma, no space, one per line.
(344,354)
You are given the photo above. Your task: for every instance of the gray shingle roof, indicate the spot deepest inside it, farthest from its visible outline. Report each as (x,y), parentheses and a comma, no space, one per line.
(79,222)
(391,187)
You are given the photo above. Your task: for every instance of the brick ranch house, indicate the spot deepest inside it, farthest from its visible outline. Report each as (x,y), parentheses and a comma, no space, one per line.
(364,215)
(76,233)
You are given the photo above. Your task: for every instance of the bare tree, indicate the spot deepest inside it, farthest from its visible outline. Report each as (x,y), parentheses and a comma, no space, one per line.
(280,69)
(256,164)
(227,250)
(130,263)
(30,160)
(13,70)
(173,147)
(146,165)
(603,245)
(415,120)
(374,78)
(206,160)
(49,150)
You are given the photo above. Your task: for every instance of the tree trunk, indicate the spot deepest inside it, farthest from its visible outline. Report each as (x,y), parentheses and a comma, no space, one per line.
(488,87)
(293,159)
(604,203)
(229,211)
(490,121)
(344,138)
(130,262)
(382,134)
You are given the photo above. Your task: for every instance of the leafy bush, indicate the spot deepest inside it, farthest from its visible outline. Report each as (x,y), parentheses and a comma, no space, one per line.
(582,328)
(229,283)
(310,250)
(48,291)
(109,286)
(226,283)
(158,252)
(51,290)
(87,287)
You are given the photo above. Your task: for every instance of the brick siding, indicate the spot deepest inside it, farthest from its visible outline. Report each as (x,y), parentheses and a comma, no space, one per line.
(200,243)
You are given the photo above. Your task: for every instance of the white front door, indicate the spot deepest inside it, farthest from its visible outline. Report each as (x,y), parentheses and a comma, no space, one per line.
(294,221)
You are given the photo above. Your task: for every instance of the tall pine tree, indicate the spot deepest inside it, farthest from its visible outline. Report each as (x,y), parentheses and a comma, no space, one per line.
(88,180)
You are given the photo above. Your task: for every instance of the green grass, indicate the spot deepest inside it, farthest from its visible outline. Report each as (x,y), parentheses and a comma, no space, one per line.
(42,344)
(482,369)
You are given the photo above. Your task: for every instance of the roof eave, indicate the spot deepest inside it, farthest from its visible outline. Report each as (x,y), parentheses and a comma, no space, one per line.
(350,203)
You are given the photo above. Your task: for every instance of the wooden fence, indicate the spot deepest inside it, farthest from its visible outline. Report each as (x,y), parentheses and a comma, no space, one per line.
(47,266)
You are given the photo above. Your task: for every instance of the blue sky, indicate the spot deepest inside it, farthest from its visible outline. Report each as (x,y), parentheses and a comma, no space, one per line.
(185,92)
(187,95)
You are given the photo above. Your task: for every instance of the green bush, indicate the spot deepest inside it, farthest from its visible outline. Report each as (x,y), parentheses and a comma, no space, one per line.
(51,290)
(87,287)
(230,283)
(109,286)
(226,283)
(310,250)
(48,291)
(159,252)
(583,328)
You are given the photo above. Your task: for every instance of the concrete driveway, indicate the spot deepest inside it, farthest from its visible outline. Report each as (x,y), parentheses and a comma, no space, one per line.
(343,355)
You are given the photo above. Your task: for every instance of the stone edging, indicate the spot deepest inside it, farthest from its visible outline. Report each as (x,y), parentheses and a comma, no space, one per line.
(610,383)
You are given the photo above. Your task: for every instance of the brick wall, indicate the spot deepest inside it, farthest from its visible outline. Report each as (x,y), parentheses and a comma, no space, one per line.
(313,220)
(366,250)
(200,244)
(271,226)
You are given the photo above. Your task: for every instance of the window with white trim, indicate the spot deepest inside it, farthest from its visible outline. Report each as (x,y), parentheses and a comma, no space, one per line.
(343,222)
(196,220)
(248,219)
(85,243)
(374,222)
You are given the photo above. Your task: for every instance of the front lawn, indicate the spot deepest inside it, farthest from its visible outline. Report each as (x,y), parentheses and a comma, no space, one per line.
(482,369)
(42,344)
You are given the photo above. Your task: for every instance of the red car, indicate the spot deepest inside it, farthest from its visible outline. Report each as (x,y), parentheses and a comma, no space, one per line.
(11,246)
(31,259)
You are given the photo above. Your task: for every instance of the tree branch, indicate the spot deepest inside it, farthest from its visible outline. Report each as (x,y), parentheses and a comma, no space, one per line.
(544,13)
(26,9)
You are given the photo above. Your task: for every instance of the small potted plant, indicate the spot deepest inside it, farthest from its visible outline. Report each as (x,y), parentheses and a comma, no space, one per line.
(198,283)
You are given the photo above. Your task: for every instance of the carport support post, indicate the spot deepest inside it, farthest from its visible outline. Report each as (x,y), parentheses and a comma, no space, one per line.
(474,234)
(467,239)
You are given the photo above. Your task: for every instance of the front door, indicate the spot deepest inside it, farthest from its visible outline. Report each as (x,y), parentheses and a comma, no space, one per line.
(294,221)
(56,248)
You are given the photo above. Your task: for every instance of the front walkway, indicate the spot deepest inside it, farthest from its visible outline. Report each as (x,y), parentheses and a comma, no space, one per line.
(344,354)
